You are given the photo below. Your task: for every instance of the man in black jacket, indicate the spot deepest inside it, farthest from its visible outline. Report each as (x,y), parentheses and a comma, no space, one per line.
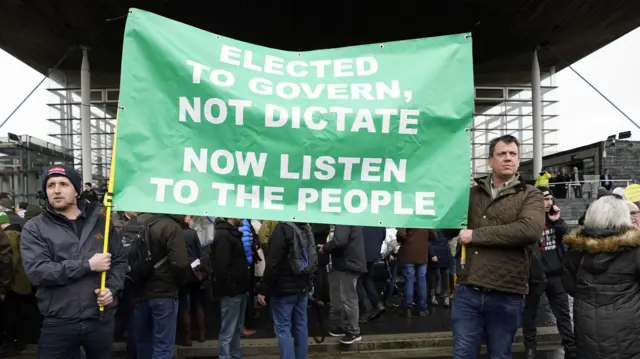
(230,269)
(288,292)
(346,248)
(373,238)
(89,194)
(62,256)
(547,263)
(155,310)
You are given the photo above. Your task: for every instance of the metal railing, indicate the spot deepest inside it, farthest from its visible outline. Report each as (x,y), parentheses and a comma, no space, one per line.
(589,188)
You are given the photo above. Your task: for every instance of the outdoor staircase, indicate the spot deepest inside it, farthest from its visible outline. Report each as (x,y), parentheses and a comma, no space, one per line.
(406,345)
(572,209)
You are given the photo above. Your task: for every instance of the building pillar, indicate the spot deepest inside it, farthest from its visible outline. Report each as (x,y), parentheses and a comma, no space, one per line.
(85,117)
(536,106)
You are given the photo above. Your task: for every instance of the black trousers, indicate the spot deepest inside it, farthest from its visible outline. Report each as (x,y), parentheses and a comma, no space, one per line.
(369,285)
(559,302)
(18,316)
(63,340)
(250,310)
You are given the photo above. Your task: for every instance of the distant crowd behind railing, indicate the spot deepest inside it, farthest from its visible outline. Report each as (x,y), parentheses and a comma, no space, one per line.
(590,187)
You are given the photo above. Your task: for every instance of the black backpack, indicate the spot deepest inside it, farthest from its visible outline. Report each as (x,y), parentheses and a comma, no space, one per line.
(135,239)
(303,256)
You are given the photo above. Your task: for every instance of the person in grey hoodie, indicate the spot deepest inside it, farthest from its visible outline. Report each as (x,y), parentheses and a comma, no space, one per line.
(62,256)
(346,248)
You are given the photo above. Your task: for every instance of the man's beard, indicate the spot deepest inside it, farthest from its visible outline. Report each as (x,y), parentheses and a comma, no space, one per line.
(63,206)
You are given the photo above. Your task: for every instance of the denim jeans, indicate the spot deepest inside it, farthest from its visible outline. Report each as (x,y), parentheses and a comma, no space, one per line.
(477,314)
(410,272)
(154,326)
(61,340)
(232,311)
(287,312)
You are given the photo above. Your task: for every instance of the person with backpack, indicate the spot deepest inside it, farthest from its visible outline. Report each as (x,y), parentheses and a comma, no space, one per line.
(61,251)
(156,280)
(18,295)
(230,263)
(287,280)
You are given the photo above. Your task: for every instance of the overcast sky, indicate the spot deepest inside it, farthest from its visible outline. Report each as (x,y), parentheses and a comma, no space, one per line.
(584,116)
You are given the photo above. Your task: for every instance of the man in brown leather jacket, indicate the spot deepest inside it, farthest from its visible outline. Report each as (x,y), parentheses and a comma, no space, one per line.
(506,217)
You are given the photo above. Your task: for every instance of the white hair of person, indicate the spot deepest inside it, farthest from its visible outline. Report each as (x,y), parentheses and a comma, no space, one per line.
(632,207)
(609,212)
(619,191)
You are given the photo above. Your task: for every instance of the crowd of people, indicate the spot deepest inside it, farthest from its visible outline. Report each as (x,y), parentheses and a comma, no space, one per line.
(562,183)
(163,271)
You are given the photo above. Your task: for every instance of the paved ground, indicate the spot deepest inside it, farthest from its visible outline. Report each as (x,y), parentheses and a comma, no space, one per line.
(545,355)
(392,322)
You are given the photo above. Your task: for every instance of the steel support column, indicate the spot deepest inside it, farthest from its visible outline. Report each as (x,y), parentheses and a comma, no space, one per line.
(85,115)
(536,106)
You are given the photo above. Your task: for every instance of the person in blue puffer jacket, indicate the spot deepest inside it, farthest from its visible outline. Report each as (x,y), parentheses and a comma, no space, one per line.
(247,240)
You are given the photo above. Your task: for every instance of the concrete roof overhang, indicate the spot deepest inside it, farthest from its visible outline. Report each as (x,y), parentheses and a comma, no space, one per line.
(505,32)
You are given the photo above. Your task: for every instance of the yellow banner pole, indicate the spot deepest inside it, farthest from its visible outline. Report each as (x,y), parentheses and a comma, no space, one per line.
(108,197)
(463,256)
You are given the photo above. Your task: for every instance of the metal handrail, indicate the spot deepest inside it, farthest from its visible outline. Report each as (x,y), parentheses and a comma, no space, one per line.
(589,187)
(627,181)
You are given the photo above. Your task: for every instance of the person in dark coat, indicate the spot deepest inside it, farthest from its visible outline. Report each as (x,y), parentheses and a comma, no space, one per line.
(561,184)
(606,180)
(190,308)
(62,255)
(230,268)
(373,238)
(346,248)
(89,194)
(414,257)
(547,262)
(288,290)
(7,206)
(439,263)
(155,301)
(602,273)
(321,278)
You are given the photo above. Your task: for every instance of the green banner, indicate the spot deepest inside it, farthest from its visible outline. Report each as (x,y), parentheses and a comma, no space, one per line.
(365,135)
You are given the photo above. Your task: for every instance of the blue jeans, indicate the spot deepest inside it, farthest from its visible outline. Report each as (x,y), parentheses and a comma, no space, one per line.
(478,314)
(61,340)
(410,272)
(154,326)
(291,311)
(232,311)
